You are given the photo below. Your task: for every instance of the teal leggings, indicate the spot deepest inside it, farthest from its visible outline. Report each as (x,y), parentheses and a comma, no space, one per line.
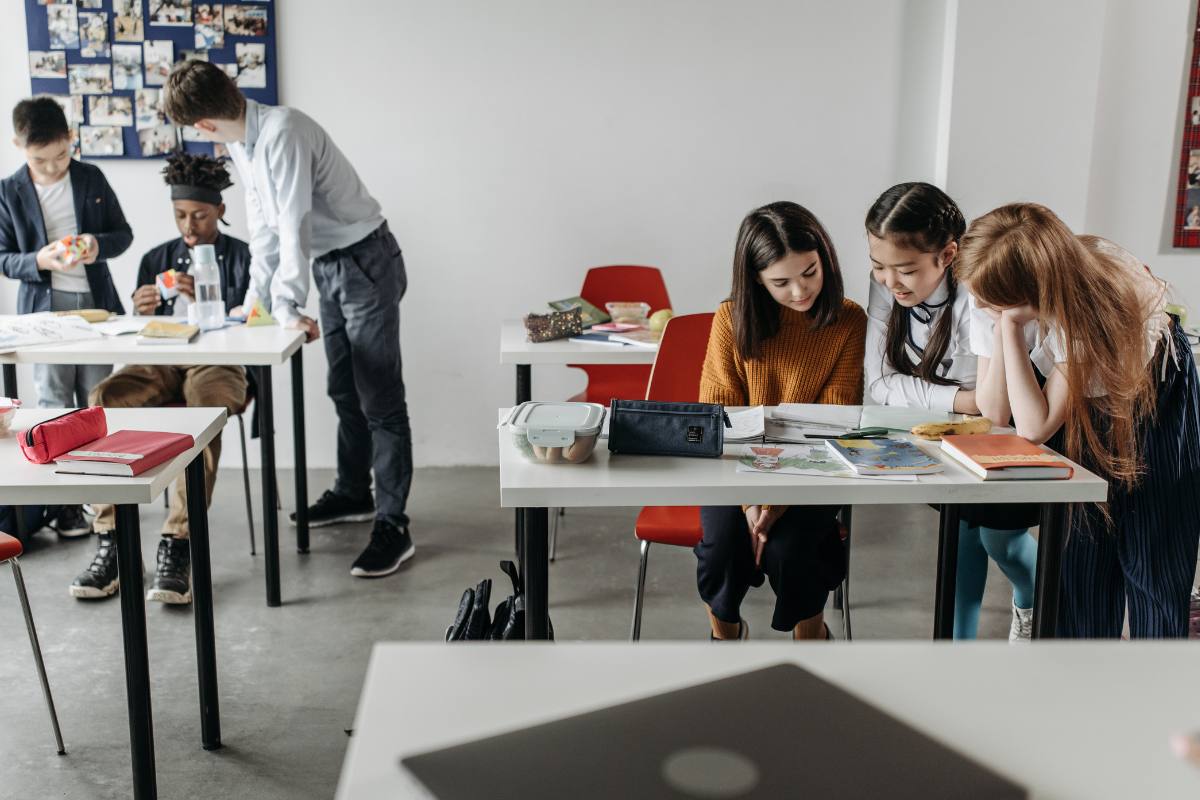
(1015,552)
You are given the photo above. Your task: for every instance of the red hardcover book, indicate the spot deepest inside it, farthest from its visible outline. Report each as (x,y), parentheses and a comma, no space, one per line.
(1006,457)
(124,453)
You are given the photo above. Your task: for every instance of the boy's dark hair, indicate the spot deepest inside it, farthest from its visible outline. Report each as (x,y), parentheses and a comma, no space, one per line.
(198,90)
(918,216)
(195,176)
(38,121)
(767,235)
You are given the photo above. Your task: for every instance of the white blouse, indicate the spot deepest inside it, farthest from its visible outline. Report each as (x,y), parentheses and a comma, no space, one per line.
(887,386)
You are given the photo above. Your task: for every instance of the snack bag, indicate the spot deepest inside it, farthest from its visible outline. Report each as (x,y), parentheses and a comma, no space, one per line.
(167,286)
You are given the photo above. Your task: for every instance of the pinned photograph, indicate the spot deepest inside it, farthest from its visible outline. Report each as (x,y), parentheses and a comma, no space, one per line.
(157,141)
(170,12)
(230,70)
(63,22)
(1193,169)
(1191,213)
(101,141)
(158,57)
(147,108)
(93,34)
(91,3)
(107,109)
(75,153)
(72,106)
(245,21)
(89,79)
(193,55)
(127,66)
(191,134)
(47,64)
(210,26)
(251,65)
(128,25)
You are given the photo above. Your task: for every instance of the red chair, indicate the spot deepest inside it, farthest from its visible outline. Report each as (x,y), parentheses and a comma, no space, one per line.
(675,377)
(10,549)
(604,285)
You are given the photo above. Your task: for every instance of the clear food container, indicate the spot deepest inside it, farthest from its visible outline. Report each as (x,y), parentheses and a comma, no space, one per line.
(556,433)
(8,409)
(628,312)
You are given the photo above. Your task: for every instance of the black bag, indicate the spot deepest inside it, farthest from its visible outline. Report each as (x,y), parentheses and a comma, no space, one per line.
(649,428)
(471,623)
(31,520)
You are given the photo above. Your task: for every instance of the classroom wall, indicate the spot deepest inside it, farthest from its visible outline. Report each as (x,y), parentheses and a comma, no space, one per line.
(514,146)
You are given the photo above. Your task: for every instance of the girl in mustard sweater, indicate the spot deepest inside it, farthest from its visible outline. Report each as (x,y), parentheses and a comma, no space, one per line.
(787,335)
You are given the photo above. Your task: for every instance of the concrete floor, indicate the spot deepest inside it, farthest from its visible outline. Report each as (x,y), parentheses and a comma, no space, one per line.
(290,677)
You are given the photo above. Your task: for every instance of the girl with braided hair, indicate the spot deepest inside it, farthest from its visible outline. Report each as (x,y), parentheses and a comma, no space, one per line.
(918,354)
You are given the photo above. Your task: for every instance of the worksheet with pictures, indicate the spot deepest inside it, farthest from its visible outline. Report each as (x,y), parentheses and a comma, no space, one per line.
(106,61)
(1187,211)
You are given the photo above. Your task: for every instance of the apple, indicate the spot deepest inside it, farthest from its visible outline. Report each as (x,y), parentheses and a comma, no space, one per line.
(658,320)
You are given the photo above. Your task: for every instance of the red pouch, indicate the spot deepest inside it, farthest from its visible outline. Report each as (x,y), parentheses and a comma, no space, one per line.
(48,440)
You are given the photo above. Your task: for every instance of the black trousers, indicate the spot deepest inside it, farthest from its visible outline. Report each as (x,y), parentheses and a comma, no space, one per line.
(803,559)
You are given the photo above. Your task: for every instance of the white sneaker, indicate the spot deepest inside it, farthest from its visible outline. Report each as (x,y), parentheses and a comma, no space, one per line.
(1021,629)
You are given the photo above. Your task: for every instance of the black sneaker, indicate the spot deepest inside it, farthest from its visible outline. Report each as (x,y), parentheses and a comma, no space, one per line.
(332,508)
(70,522)
(172,580)
(388,549)
(100,579)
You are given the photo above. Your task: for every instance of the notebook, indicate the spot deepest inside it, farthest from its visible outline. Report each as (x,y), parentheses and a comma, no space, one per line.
(591,314)
(162,332)
(1006,457)
(883,457)
(124,453)
(778,732)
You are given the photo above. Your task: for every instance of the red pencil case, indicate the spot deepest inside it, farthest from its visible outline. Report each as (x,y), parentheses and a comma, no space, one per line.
(48,440)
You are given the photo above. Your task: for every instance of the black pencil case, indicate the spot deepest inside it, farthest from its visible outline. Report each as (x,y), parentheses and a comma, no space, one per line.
(649,428)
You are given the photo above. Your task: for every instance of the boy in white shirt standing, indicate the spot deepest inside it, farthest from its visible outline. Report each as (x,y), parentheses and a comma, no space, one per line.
(307,206)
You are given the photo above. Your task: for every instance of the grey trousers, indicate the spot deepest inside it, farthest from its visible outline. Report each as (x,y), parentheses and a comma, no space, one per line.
(67,385)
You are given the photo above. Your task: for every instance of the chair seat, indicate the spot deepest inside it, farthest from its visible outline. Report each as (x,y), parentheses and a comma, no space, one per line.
(10,547)
(677,525)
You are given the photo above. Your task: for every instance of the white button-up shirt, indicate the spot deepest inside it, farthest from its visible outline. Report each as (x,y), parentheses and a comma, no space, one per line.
(303,200)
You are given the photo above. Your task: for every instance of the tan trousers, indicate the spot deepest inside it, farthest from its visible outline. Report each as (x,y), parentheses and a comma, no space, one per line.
(148,387)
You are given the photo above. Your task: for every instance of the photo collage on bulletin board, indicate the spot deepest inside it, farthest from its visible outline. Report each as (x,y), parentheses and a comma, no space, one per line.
(1187,212)
(106,61)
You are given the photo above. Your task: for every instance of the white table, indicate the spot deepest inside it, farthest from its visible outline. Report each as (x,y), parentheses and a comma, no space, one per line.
(258,349)
(606,480)
(23,483)
(1068,720)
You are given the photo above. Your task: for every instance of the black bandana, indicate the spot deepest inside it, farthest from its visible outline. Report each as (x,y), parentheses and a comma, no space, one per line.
(200,194)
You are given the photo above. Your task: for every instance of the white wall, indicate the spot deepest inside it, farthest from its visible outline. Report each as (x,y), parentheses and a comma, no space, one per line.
(514,145)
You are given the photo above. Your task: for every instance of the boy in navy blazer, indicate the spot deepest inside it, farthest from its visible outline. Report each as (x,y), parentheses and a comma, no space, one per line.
(52,197)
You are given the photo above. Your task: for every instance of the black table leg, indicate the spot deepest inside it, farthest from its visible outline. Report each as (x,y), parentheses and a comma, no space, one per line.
(137,662)
(1052,532)
(535,573)
(301,451)
(10,381)
(947,573)
(202,607)
(524,394)
(266,432)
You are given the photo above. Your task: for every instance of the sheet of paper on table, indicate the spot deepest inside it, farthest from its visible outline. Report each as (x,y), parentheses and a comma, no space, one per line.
(800,459)
(120,327)
(18,331)
(823,420)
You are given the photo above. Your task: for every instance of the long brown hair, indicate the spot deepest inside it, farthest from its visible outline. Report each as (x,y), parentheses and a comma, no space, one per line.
(919,216)
(768,234)
(1023,253)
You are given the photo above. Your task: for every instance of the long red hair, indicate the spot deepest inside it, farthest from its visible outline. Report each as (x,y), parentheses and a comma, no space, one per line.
(1023,253)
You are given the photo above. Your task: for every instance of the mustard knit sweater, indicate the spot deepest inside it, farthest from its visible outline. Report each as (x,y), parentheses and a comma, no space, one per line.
(797,365)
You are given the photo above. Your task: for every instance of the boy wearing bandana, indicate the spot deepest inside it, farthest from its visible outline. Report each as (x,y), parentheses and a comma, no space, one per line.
(196,183)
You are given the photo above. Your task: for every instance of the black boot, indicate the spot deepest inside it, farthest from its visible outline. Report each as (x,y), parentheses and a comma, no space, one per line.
(173,578)
(99,580)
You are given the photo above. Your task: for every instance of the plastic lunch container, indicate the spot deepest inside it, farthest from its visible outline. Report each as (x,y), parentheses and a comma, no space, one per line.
(634,313)
(556,433)
(8,408)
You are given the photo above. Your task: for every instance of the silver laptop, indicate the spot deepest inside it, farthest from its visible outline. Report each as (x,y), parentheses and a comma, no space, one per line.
(778,732)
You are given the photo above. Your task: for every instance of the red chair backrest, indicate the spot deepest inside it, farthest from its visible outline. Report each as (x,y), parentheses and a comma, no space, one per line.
(680,360)
(615,284)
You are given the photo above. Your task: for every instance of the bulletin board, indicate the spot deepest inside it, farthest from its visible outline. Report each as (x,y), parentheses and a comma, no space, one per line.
(105,62)
(1187,211)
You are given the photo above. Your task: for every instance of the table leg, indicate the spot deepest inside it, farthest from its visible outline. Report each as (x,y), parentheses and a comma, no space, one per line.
(535,573)
(301,451)
(947,572)
(137,662)
(1052,532)
(524,393)
(266,433)
(10,380)
(202,607)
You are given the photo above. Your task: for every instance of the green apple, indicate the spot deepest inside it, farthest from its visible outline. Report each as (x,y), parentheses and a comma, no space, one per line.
(658,320)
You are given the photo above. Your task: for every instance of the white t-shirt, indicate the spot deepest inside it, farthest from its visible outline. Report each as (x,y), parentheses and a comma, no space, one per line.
(887,386)
(58,213)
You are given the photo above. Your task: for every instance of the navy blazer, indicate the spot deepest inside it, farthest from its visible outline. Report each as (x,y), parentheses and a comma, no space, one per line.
(233,263)
(23,234)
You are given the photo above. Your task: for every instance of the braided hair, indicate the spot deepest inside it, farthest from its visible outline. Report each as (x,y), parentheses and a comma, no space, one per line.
(194,176)
(918,216)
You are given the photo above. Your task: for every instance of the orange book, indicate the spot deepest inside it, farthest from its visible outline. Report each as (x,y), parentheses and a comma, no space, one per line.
(1006,457)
